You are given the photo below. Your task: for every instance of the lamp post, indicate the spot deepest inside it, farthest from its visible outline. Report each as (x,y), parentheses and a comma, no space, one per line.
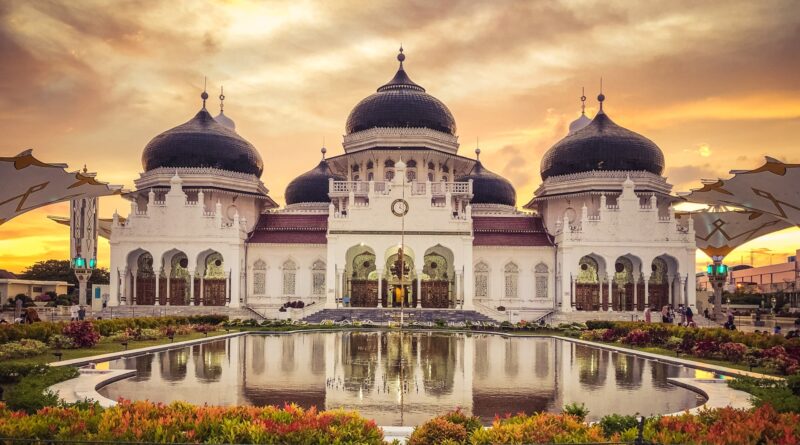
(83,240)
(717,274)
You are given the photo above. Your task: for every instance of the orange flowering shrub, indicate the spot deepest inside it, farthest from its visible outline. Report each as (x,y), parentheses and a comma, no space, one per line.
(184,423)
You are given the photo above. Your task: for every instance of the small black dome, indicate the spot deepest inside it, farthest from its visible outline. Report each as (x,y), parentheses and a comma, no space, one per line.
(401,103)
(202,142)
(602,145)
(489,187)
(311,186)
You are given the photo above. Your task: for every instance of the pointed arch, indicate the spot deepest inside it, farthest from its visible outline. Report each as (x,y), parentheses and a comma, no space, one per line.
(541,274)
(511,281)
(481,274)
(318,275)
(260,277)
(289,268)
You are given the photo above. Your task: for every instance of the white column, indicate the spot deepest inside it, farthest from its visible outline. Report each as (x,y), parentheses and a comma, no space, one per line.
(419,288)
(573,295)
(459,291)
(119,296)
(681,292)
(646,279)
(600,291)
(610,293)
(168,287)
(191,287)
(202,290)
(134,273)
(671,281)
(635,293)
(158,287)
(380,287)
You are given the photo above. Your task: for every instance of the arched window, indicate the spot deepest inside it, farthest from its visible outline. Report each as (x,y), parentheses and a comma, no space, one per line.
(354,168)
(481,280)
(431,166)
(541,272)
(388,175)
(289,278)
(511,280)
(370,165)
(259,278)
(370,176)
(389,163)
(411,175)
(356,177)
(411,164)
(318,271)
(431,178)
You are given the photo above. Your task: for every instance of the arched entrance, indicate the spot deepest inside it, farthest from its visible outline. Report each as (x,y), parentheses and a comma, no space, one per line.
(211,287)
(362,279)
(658,286)
(400,278)
(145,286)
(179,284)
(587,285)
(622,285)
(437,278)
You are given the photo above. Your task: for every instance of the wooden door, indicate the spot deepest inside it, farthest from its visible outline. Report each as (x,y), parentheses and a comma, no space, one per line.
(215,291)
(178,291)
(436,294)
(363,293)
(145,290)
(587,297)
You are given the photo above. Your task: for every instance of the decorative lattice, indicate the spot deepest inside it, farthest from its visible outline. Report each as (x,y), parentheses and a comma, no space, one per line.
(289,278)
(318,272)
(541,286)
(481,285)
(511,280)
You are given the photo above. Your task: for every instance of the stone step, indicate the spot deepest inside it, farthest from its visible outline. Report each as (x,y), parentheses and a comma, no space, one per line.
(386,315)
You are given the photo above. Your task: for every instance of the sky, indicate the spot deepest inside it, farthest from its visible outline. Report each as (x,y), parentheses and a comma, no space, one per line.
(714,84)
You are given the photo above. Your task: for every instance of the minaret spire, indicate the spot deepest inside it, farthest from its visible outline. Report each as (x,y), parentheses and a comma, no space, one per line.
(401,57)
(601,97)
(204,96)
(583,101)
(221,99)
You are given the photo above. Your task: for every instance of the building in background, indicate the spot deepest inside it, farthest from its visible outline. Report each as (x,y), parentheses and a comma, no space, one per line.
(11,286)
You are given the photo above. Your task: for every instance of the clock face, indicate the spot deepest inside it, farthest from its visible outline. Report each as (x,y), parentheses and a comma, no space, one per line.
(399,207)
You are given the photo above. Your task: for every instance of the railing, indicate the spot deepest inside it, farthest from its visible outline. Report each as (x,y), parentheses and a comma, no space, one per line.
(349,186)
(459,188)
(418,188)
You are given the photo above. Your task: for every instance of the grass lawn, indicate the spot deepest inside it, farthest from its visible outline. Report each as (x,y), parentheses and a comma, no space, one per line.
(106,346)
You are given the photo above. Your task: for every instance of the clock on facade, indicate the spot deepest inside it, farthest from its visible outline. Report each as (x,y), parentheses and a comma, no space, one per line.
(399,207)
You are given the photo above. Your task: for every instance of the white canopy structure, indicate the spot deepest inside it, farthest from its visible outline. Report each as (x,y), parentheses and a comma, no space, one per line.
(717,233)
(772,189)
(27,183)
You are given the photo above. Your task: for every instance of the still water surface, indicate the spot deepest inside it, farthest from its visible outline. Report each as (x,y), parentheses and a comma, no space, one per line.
(404,379)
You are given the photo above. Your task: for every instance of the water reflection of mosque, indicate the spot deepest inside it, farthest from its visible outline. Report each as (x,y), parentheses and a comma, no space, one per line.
(404,378)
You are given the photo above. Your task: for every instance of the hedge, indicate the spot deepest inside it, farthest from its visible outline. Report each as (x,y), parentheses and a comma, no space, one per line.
(44,330)
(30,394)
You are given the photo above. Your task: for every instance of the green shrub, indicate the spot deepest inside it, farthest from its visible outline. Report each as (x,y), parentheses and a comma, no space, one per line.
(576,409)
(779,394)
(21,349)
(31,393)
(617,424)
(13,372)
(62,342)
(599,324)
(793,383)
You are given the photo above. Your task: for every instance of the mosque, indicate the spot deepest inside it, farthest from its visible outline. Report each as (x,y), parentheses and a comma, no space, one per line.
(402,219)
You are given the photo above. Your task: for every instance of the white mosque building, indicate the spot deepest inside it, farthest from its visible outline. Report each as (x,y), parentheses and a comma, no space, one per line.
(401,218)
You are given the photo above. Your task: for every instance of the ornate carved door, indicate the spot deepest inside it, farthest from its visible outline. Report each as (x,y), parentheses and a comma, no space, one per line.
(215,290)
(587,297)
(177,291)
(436,294)
(363,293)
(145,290)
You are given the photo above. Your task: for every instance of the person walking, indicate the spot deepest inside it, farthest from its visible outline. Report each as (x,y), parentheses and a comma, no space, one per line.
(689,316)
(705,313)
(82,313)
(647,314)
(682,313)
(665,314)
(73,312)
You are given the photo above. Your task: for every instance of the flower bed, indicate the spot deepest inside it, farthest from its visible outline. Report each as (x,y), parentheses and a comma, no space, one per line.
(771,352)
(21,349)
(725,426)
(42,331)
(183,423)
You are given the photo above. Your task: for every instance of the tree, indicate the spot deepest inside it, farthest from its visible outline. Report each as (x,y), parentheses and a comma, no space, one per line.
(61,270)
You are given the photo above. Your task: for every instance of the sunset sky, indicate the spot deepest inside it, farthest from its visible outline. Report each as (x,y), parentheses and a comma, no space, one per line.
(715,85)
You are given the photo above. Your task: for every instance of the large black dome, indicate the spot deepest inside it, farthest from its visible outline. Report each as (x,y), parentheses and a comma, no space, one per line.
(202,142)
(311,186)
(401,103)
(489,187)
(602,145)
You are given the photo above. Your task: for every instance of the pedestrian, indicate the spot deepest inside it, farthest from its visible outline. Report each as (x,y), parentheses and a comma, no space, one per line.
(665,314)
(689,315)
(705,313)
(647,314)
(682,313)
(777,329)
(82,313)
(73,312)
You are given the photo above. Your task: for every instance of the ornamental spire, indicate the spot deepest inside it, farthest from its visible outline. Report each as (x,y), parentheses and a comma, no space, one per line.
(222,99)
(583,101)
(204,96)
(601,97)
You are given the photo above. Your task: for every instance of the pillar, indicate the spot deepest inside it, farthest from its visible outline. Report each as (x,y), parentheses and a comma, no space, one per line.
(573,291)
(460,290)
(419,288)
(122,287)
(191,287)
(158,287)
(202,291)
(134,273)
(635,292)
(380,287)
(682,297)
(646,279)
(168,287)
(603,302)
(671,281)
(610,293)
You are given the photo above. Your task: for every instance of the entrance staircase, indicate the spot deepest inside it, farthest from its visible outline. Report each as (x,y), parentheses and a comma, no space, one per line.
(377,315)
(132,311)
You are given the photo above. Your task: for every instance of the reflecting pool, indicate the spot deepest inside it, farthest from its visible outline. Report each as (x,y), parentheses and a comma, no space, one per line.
(404,379)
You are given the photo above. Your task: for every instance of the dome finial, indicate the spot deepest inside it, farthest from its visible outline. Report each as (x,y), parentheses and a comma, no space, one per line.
(583,101)
(401,57)
(204,96)
(222,99)
(601,97)
(478,148)
(323,150)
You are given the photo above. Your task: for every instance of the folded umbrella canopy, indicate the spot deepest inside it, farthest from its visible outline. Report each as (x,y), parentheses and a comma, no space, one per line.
(27,183)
